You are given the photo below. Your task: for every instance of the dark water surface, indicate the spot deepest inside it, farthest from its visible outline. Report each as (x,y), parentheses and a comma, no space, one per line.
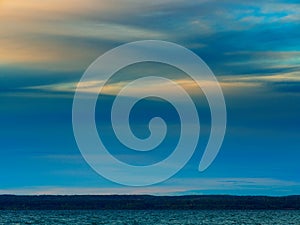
(150,217)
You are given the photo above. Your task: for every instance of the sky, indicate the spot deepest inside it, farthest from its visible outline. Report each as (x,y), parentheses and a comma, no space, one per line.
(253,48)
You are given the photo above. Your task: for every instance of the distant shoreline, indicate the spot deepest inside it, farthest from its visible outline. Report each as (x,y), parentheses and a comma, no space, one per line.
(147,202)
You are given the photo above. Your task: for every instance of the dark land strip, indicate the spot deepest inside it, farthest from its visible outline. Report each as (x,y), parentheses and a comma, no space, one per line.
(148,202)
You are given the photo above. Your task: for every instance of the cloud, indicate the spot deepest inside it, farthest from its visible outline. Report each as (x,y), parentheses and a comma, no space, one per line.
(169,187)
(288,82)
(229,85)
(56,36)
(267,59)
(252,47)
(68,36)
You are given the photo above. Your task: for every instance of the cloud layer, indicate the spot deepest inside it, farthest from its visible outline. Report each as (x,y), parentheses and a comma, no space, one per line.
(252,47)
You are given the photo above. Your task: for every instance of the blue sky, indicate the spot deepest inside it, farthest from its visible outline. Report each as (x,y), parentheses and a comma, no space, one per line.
(252,47)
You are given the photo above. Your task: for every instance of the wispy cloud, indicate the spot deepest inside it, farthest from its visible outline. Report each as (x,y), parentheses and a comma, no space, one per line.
(170,187)
(69,36)
(56,36)
(252,47)
(228,84)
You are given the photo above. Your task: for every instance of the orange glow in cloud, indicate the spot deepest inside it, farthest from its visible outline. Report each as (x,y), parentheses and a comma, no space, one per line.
(36,33)
(23,36)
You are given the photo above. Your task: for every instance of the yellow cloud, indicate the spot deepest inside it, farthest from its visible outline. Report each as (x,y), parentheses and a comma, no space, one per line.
(288,76)
(37,33)
(156,87)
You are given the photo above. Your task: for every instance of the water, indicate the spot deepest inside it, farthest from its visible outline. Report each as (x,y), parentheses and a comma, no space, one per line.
(148,217)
